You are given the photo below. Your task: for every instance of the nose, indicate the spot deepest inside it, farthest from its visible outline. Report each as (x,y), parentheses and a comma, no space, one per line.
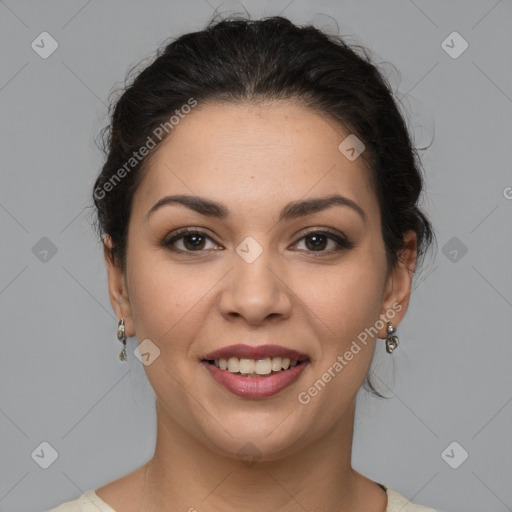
(255,291)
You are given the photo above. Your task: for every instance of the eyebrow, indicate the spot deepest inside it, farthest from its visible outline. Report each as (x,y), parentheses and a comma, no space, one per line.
(293,210)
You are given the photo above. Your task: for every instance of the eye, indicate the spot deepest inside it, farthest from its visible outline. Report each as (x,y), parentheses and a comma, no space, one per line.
(317,241)
(191,240)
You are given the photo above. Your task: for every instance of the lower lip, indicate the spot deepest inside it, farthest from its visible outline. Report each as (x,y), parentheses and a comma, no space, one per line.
(256,387)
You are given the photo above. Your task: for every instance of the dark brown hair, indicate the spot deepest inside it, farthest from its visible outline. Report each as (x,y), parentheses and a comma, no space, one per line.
(242,60)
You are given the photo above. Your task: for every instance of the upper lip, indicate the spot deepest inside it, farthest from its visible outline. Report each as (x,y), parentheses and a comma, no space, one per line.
(260,352)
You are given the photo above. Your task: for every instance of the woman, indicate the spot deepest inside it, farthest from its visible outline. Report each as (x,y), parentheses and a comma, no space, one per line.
(259,213)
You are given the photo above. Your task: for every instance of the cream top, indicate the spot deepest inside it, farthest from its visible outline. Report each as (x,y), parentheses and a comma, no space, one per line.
(89,501)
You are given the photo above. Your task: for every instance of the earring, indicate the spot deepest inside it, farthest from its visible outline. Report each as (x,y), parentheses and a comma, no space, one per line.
(121,336)
(391,339)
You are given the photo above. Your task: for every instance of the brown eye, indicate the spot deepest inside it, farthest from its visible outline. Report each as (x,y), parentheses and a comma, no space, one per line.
(189,241)
(318,241)
(193,242)
(315,242)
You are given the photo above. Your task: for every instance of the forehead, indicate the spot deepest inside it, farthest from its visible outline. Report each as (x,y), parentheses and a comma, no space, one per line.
(254,157)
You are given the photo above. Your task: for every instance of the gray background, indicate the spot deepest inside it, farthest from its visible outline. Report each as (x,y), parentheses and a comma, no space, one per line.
(61,381)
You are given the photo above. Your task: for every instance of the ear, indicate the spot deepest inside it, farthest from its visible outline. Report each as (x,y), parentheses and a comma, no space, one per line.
(398,286)
(118,291)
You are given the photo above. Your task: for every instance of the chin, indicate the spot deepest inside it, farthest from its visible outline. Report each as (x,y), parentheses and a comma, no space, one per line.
(259,440)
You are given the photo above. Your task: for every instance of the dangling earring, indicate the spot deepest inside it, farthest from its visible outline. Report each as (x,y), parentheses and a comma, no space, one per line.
(391,339)
(121,336)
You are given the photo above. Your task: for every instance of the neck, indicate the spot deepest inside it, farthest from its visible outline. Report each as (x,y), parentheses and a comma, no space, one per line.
(184,473)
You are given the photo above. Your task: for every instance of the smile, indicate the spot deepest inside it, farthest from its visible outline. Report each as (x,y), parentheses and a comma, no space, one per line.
(255,372)
(254,367)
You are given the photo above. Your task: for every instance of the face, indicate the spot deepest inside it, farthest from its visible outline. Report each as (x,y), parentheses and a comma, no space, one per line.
(257,270)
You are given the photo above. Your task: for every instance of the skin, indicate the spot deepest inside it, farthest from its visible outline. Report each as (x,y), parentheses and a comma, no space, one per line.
(254,159)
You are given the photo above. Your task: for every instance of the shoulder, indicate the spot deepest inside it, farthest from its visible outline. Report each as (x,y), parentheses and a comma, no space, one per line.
(399,503)
(87,502)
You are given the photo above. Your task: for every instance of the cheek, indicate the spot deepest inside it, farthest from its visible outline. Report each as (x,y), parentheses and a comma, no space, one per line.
(342,305)
(344,300)
(162,297)
(170,302)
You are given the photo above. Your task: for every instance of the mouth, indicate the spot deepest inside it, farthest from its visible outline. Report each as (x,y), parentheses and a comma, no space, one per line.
(255,368)
(255,372)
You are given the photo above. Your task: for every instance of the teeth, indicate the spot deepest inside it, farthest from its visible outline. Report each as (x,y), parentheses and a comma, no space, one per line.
(255,366)
(263,366)
(233,364)
(246,366)
(276,364)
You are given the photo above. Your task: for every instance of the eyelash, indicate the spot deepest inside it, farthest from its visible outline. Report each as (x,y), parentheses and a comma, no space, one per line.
(343,243)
